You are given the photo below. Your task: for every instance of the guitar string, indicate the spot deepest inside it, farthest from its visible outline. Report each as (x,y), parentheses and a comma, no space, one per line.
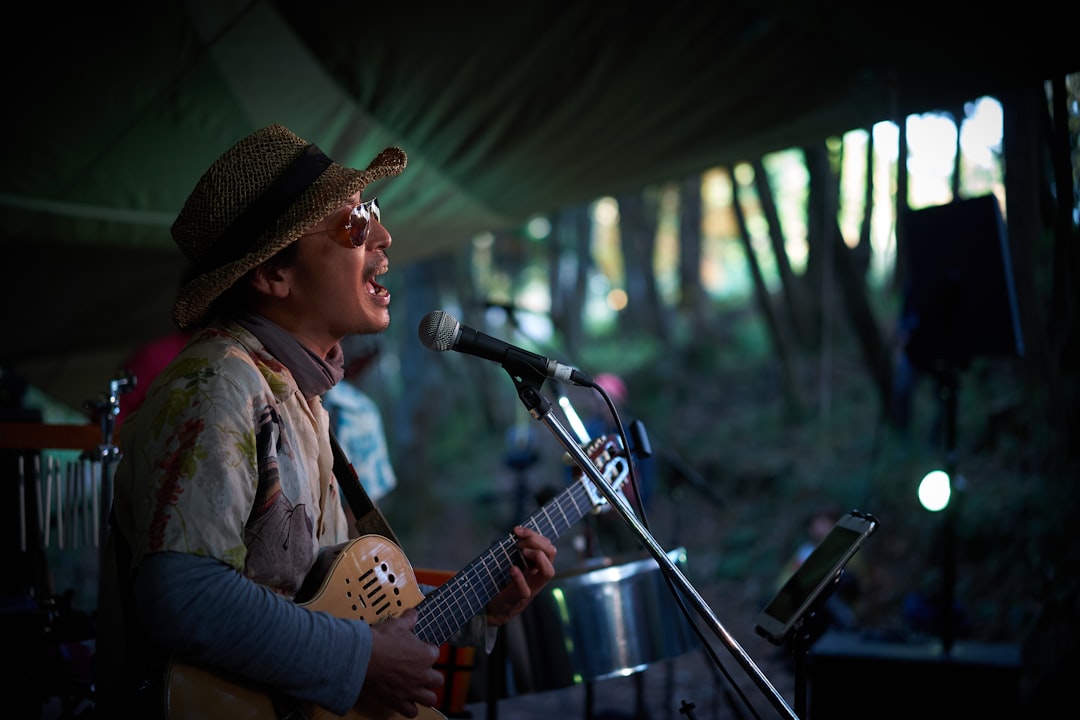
(450,602)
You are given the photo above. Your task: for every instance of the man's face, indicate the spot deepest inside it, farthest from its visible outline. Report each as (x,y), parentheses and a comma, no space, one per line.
(333,289)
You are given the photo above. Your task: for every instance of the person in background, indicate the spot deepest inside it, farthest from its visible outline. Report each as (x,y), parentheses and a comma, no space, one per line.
(225,499)
(357,422)
(144,365)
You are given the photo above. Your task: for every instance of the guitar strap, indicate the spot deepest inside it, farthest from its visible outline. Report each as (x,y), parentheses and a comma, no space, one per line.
(369,519)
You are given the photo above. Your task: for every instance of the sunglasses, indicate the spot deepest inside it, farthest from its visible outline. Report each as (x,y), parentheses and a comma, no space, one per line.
(359,222)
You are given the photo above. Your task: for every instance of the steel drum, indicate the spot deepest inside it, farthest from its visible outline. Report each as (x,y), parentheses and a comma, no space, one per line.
(602,620)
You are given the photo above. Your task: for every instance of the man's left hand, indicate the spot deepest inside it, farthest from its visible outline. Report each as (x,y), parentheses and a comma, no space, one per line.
(538,554)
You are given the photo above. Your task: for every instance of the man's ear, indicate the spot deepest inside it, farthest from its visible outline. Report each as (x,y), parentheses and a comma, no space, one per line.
(269,279)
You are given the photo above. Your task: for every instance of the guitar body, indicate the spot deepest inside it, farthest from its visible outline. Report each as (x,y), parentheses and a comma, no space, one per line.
(368,578)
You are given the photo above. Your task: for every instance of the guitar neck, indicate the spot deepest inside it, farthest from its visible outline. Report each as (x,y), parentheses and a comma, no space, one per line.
(448,608)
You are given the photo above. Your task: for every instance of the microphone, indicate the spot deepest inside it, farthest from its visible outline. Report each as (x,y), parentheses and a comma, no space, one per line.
(440,331)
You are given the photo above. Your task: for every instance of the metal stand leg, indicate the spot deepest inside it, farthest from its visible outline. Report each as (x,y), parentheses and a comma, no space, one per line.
(800,648)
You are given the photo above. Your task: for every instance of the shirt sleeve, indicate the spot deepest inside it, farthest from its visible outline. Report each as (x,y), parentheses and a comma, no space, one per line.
(256,633)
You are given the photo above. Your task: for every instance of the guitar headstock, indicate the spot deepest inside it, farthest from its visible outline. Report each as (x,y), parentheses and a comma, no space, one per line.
(612,460)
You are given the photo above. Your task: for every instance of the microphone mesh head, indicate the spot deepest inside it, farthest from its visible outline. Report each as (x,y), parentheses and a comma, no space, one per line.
(439,330)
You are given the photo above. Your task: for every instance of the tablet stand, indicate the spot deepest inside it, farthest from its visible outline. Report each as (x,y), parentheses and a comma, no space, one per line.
(801,638)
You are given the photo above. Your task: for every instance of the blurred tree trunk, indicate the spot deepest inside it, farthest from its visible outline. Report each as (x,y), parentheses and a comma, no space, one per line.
(818,276)
(511,257)
(815,278)
(568,273)
(559,240)
(693,302)
(900,270)
(764,301)
(840,274)
(1048,364)
(409,422)
(873,342)
(1062,326)
(420,373)
(863,249)
(637,230)
(791,290)
(958,114)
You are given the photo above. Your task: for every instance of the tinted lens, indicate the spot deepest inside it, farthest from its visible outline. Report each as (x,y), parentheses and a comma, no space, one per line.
(360,218)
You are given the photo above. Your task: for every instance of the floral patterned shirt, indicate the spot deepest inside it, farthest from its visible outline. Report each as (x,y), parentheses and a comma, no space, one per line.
(226,458)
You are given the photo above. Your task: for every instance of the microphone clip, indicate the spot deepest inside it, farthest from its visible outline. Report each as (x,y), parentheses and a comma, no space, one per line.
(528,382)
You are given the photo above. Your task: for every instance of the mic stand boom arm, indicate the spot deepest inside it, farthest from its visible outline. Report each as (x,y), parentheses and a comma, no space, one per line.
(528,385)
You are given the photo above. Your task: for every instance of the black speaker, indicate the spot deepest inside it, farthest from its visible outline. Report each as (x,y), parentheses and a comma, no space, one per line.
(961,299)
(851,676)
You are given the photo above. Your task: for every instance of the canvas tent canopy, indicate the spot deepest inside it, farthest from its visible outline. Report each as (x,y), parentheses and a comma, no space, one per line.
(506,110)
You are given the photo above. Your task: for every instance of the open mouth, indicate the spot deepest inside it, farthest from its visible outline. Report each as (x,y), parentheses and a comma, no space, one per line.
(375,288)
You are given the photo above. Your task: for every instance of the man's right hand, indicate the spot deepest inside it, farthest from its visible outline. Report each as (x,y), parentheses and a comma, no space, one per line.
(401,673)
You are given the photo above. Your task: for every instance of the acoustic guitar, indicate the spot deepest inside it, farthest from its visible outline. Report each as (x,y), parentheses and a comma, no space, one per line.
(369,578)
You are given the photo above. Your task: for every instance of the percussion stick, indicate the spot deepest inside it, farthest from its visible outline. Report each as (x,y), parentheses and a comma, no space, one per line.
(95,488)
(59,506)
(37,494)
(22,505)
(48,500)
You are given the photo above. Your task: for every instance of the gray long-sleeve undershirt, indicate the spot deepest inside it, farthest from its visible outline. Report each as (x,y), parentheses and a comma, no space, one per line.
(205,611)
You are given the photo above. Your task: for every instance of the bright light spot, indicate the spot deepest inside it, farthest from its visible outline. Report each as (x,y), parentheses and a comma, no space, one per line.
(744,173)
(886,137)
(931,158)
(934,490)
(981,132)
(617,299)
(606,211)
(931,143)
(534,327)
(496,316)
(538,228)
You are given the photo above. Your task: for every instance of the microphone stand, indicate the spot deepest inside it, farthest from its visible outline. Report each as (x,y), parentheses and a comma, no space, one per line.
(528,382)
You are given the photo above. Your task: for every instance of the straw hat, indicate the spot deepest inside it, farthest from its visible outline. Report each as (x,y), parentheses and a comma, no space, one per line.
(257,198)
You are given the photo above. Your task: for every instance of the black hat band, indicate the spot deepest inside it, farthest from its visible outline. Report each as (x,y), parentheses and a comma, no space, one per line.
(261,214)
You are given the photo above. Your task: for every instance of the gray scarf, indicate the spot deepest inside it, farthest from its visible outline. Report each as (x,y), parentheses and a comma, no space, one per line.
(313,374)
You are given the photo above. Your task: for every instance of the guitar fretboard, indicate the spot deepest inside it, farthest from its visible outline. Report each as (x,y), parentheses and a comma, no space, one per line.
(448,608)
